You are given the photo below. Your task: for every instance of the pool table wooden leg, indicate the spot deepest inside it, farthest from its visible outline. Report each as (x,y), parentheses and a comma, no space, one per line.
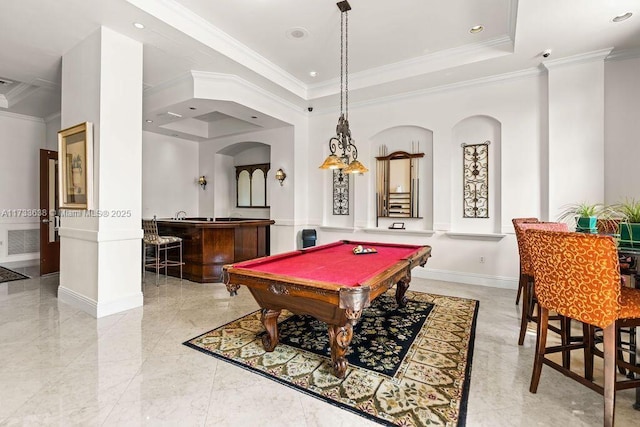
(269,319)
(339,339)
(401,289)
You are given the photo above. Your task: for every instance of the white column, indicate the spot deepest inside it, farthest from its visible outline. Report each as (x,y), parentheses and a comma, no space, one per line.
(574,159)
(100,251)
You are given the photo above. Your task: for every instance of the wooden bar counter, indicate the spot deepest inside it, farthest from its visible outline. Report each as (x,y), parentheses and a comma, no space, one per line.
(207,245)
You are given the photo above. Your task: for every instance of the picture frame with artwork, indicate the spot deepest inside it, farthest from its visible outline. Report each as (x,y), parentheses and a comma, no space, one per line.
(75,171)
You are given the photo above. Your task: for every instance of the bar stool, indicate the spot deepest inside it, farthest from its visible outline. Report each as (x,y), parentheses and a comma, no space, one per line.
(526,271)
(520,238)
(161,245)
(578,275)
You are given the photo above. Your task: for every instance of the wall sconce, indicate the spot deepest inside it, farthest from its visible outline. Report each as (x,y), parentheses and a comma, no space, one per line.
(203,182)
(280,176)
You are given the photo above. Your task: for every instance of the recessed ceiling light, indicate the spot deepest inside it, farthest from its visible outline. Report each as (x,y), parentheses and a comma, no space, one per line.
(138,25)
(149,121)
(313,73)
(622,17)
(297,33)
(476,29)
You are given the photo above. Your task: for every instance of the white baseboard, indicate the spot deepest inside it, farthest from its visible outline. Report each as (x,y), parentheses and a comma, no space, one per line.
(96,309)
(120,305)
(79,301)
(466,278)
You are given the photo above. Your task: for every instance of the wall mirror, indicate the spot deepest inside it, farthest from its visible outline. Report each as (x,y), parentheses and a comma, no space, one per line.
(398,185)
(251,185)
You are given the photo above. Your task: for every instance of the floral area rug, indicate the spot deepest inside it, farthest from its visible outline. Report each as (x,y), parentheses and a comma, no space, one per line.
(408,366)
(7,275)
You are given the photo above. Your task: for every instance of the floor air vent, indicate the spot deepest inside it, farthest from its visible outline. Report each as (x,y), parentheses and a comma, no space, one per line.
(23,241)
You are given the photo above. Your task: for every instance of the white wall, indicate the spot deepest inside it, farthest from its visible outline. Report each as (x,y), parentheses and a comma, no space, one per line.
(576,133)
(622,130)
(53,126)
(515,104)
(278,142)
(261,154)
(169,176)
(21,139)
(522,109)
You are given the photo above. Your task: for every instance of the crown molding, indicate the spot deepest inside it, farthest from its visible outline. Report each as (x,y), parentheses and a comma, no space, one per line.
(21,117)
(529,72)
(432,62)
(624,55)
(19,93)
(182,78)
(52,116)
(195,75)
(193,25)
(232,78)
(596,55)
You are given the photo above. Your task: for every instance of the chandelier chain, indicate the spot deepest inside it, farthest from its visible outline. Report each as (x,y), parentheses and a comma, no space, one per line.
(346,65)
(341,61)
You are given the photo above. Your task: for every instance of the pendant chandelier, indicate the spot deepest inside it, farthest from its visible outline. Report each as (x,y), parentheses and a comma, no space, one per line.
(344,154)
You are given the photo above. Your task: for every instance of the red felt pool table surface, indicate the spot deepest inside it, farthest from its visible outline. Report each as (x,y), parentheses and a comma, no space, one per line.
(333,263)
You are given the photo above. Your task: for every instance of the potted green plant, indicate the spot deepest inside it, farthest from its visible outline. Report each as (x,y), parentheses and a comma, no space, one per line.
(584,214)
(629,212)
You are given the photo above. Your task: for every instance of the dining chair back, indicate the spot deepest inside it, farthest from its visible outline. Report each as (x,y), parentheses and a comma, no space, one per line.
(519,239)
(577,276)
(526,280)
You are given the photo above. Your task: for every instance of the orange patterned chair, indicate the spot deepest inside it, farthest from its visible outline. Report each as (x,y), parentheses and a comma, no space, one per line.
(526,276)
(577,275)
(520,238)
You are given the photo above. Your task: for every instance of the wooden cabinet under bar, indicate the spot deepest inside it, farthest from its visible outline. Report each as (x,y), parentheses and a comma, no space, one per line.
(208,245)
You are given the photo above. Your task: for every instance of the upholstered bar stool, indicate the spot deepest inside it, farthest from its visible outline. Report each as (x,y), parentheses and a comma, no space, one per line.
(520,238)
(161,246)
(577,275)
(526,271)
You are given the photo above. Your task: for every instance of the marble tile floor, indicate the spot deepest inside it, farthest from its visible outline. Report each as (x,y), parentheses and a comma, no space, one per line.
(60,366)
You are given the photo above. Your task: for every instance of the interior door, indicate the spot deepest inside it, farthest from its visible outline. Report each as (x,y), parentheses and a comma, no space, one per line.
(49,239)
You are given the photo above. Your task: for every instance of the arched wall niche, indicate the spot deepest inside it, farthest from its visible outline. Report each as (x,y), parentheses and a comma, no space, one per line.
(226,185)
(470,131)
(410,139)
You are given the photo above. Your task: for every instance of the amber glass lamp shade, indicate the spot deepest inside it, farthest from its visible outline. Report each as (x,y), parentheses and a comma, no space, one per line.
(333,162)
(355,167)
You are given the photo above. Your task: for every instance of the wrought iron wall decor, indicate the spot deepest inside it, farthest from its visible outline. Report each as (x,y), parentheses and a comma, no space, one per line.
(475,180)
(340,192)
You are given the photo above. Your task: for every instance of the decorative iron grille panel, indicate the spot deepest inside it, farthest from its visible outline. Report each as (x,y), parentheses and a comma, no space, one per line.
(475,180)
(340,193)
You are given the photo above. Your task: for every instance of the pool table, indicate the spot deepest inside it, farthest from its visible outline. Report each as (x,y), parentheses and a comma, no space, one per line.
(329,282)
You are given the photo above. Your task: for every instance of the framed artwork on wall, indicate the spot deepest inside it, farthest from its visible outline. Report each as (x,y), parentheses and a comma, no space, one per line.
(75,154)
(475,180)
